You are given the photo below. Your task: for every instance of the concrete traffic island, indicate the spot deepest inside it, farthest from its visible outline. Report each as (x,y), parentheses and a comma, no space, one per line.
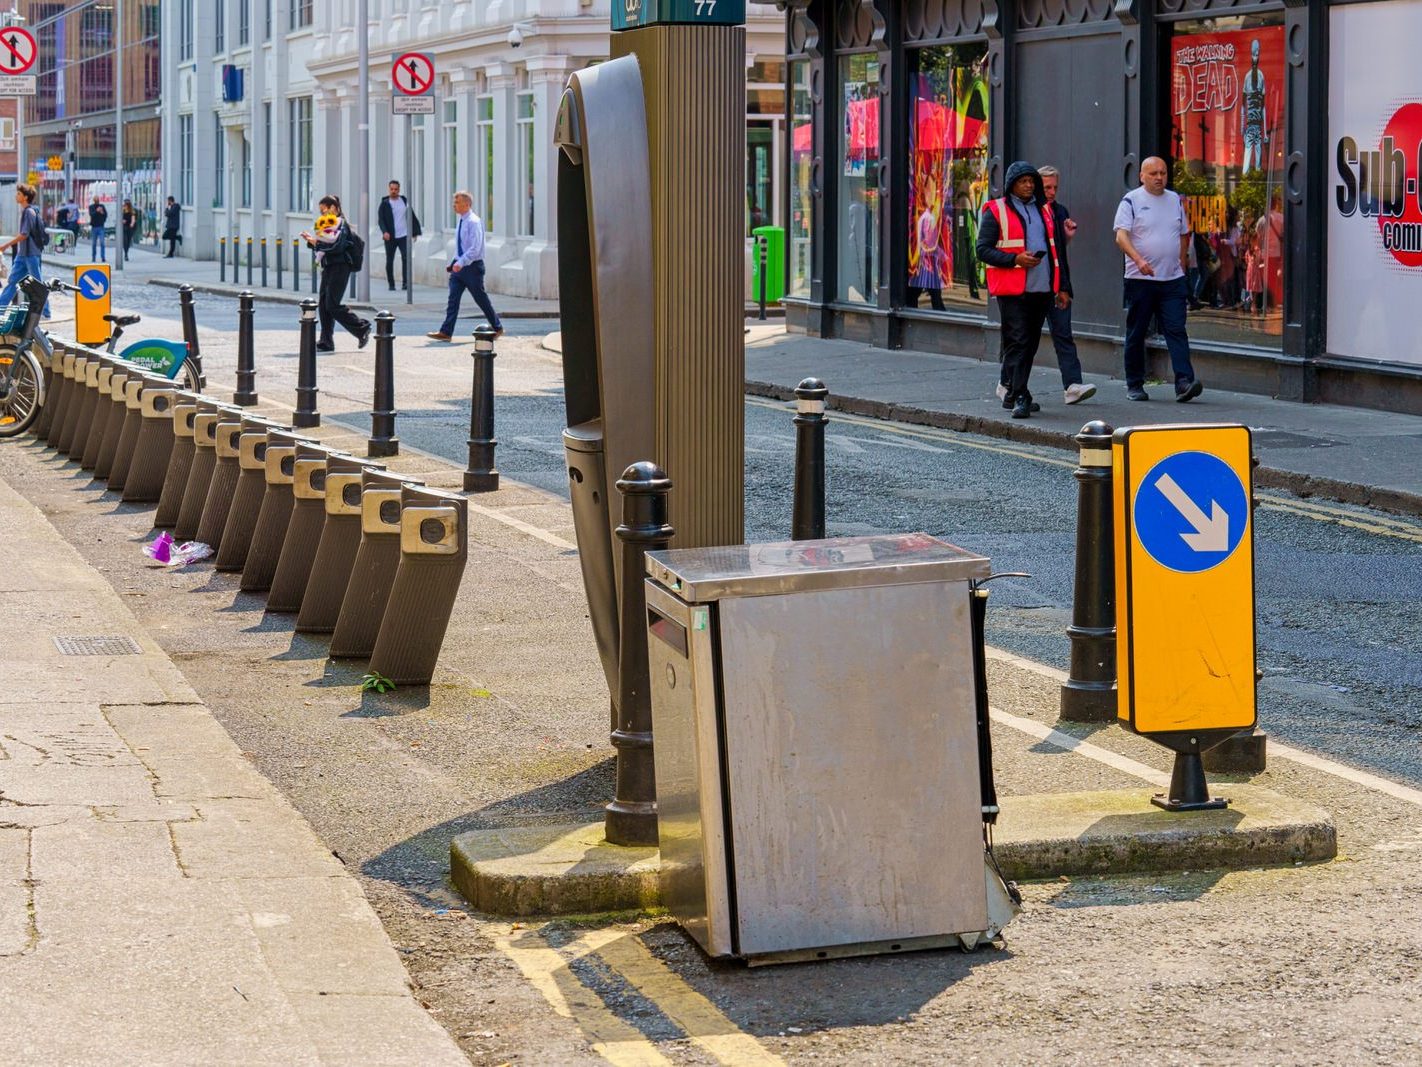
(571,870)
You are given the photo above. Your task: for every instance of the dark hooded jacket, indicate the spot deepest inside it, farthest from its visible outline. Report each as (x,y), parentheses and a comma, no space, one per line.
(990,233)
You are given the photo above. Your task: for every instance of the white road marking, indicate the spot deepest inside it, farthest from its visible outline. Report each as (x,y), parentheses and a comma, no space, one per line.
(1043,732)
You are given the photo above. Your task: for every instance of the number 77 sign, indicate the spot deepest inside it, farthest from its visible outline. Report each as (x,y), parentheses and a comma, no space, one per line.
(632,14)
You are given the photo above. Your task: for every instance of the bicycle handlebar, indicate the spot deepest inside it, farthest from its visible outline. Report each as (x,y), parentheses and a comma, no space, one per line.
(58,285)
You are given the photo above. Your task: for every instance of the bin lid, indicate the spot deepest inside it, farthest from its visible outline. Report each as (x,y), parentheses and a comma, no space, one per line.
(704,574)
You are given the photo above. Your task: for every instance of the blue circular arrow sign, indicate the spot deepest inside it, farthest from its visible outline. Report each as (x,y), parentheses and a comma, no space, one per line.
(1191,512)
(93,284)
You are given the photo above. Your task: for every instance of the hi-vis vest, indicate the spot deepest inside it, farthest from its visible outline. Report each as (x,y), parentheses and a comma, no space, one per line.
(1012,281)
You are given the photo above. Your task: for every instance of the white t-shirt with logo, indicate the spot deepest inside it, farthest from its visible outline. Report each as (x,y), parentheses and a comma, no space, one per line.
(1156,224)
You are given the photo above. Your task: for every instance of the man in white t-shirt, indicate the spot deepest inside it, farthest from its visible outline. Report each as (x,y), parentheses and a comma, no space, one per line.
(1152,231)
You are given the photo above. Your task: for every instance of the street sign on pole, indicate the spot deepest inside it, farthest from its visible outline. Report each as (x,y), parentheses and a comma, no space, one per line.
(412,105)
(17,50)
(413,74)
(91,303)
(18,85)
(1185,642)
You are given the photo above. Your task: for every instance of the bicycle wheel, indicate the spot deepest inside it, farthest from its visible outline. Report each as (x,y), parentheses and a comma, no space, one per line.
(20,402)
(192,379)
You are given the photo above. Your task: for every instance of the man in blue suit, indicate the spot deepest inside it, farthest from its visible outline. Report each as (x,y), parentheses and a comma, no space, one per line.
(467,269)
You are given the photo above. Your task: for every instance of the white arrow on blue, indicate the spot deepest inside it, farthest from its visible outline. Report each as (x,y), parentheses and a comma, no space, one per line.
(93,287)
(1212,533)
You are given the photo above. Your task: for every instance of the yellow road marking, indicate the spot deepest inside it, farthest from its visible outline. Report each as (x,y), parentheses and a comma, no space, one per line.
(703,1022)
(1372,524)
(618,1042)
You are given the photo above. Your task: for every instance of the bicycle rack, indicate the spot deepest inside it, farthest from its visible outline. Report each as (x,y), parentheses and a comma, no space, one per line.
(154,446)
(200,475)
(93,430)
(112,413)
(54,389)
(75,373)
(434,547)
(247,495)
(376,560)
(215,509)
(303,532)
(275,512)
(336,551)
(180,462)
(128,435)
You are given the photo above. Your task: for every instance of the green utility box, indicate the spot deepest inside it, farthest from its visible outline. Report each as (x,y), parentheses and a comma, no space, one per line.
(774,237)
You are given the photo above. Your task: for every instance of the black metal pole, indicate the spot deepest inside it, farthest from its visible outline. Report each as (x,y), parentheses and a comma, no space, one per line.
(249,262)
(306,415)
(295,265)
(481,477)
(246,394)
(189,320)
(276,247)
(762,247)
(409,275)
(1089,694)
(383,441)
(222,259)
(264,262)
(807,520)
(632,815)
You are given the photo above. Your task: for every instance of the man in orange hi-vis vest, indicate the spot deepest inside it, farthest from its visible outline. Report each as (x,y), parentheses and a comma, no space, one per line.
(1017,242)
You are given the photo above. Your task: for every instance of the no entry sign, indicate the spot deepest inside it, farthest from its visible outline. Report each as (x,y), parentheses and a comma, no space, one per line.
(17,50)
(413,74)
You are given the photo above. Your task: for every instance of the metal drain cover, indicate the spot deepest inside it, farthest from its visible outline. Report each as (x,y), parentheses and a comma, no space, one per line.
(97,646)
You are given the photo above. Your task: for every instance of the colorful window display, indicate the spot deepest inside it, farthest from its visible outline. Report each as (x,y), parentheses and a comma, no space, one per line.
(802,199)
(947,174)
(1227,127)
(859,180)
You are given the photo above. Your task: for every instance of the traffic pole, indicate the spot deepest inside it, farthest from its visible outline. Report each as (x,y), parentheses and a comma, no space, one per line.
(249,262)
(276,247)
(1089,694)
(295,265)
(632,816)
(807,521)
(264,262)
(246,394)
(383,441)
(481,477)
(222,259)
(306,415)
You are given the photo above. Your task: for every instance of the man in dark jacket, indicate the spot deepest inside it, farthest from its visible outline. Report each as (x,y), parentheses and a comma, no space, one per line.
(172,227)
(1017,241)
(398,225)
(1074,390)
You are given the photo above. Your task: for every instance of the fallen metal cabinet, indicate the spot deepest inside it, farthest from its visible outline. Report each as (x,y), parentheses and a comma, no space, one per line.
(816,744)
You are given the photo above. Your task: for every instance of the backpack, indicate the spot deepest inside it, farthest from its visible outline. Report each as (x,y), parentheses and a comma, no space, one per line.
(355,250)
(37,233)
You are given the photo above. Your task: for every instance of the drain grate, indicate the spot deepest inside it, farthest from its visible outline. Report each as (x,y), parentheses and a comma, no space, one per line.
(70,645)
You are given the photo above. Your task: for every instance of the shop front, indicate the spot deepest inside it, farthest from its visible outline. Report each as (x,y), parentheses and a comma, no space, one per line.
(903,115)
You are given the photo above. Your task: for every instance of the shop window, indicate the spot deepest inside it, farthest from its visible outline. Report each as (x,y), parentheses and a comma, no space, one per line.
(1227,139)
(858,261)
(802,201)
(947,175)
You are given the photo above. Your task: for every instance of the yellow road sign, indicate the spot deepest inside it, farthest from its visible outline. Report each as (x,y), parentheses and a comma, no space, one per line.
(55,163)
(32,178)
(91,303)
(1184,579)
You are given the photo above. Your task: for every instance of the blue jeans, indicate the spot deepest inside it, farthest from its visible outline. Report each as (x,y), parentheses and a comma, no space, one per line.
(1147,299)
(23,267)
(98,246)
(471,278)
(1059,319)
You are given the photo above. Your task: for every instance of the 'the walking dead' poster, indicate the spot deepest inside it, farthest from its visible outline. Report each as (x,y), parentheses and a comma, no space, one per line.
(1228,96)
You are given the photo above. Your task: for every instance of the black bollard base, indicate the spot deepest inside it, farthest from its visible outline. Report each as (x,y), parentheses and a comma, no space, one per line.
(631,822)
(306,419)
(1088,701)
(389,446)
(244,399)
(1243,753)
(1188,789)
(480,481)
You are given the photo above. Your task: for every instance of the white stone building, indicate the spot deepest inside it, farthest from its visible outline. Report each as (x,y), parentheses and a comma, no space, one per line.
(260,120)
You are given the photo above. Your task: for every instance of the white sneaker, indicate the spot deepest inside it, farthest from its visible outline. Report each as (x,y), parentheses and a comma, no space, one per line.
(1001,391)
(1075,394)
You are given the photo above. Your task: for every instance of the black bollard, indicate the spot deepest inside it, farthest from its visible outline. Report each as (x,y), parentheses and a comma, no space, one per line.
(762,249)
(481,477)
(276,248)
(236,260)
(632,815)
(264,262)
(383,441)
(1089,694)
(295,265)
(249,262)
(807,522)
(222,259)
(246,394)
(189,319)
(306,415)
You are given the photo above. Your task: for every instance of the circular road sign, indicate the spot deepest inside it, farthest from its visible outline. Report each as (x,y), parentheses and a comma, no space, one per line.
(17,50)
(1191,512)
(413,74)
(93,284)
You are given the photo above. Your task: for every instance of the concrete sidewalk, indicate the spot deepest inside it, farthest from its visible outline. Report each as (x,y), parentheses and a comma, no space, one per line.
(1355,455)
(160,901)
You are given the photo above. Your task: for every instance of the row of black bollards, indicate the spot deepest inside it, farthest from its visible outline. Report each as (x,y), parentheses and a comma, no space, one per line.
(258,262)
(246,394)
(383,441)
(306,414)
(481,475)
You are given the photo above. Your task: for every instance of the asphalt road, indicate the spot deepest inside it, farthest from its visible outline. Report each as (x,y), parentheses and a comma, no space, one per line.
(1339,643)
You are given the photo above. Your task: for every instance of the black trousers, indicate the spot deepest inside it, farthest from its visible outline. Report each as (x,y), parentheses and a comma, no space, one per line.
(1022,319)
(397,244)
(335,278)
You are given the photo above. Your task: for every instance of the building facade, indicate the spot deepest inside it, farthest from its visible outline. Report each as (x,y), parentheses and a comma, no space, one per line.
(1290,127)
(262,120)
(71,119)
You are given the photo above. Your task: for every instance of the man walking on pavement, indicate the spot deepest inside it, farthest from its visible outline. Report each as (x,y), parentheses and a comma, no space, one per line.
(398,224)
(1074,391)
(28,245)
(172,226)
(467,269)
(1017,240)
(98,236)
(1154,234)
